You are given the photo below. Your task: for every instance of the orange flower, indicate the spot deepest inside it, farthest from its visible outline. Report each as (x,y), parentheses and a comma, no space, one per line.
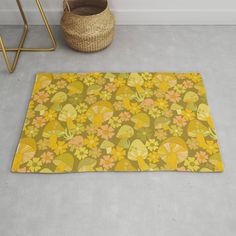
(61,84)
(47,157)
(201,156)
(188,84)
(180,121)
(76,141)
(125,116)
(173,96)
(39,122)
(106,132)
(192,143)
(147,103)
(110,87)
(107,162)
(41,97)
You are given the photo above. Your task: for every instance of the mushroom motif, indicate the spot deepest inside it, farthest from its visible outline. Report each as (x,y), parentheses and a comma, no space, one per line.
(107,145)
(141,120)
(86,165)
(25,151)
(173,151)
(41,109)
(76,141)
(176,107)
(64,163)
(53,130)
(100,112)
(76,87)
(68,114)
(136,81)
(59,97)
(94,89)
(162,122)
(110,76)
(197,129)
(191,98)
(125,94)
(43,80)
(203,114)
(124,133)
(138,152)
(45,171)
(57,100)
(124,165)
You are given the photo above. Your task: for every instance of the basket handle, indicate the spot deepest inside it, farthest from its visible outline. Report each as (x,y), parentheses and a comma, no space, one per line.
(66,6)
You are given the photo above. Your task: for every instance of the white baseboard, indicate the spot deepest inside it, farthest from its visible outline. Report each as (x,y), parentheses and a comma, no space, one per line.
(136,17)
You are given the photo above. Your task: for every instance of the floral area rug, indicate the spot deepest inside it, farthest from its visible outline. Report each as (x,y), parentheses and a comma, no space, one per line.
(92,122)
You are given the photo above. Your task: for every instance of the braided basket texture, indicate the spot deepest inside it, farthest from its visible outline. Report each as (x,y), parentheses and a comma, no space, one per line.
(88,25)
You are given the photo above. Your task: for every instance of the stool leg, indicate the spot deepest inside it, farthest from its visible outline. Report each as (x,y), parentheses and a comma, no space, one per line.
(49,30)
(11,68)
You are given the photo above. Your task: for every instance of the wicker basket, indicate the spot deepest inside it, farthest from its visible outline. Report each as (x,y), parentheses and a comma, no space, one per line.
(88,25)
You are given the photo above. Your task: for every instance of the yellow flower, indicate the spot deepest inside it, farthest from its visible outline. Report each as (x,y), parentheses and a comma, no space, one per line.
(119,82)
(152,144)
(51,89)
(147,76)
(175,130)
(31,131)
(148,84)
(60,148)
(79,129)
(211,147)
(180,88)
(118,153)
(196,78)
(153,157)
(34,165)
(191,164)
(115,122)
(81,108)
(104,95)
(50,115)
(81,153)
(162,103)
(164,86)
(89,81)
(81,118)
(70,77)
(161,134)
(96,75)
(154,112)
(91,141)
(188,114)
(134,108)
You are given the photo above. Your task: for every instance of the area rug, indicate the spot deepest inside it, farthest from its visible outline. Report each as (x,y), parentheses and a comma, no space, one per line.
(97,122)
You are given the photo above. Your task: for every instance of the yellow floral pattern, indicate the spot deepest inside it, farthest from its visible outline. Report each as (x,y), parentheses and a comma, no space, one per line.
(91,122)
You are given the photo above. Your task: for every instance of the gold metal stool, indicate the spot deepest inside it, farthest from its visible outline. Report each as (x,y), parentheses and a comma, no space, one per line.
(11,67)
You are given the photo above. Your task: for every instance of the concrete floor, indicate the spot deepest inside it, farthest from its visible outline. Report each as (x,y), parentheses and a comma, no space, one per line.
(127,204)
